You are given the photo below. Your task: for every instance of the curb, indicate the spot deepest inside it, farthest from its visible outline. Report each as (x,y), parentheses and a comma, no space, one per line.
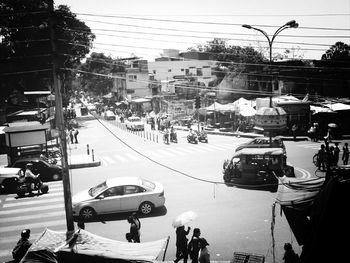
(84,165)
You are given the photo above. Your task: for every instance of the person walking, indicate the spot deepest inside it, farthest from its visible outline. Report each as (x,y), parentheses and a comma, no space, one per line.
(294,131)
(71,135)
(336,153)
(194,246)
(321,157)
(289,255)
(345,156)
(75,133)
(181,243)
(204,256)
(22,246)
(134,234)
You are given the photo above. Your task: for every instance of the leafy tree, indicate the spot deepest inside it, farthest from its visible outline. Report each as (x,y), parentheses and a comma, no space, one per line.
(338,51)
(25,44)
(100,64)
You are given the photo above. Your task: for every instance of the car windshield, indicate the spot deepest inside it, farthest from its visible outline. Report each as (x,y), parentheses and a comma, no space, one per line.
(148,184)
(97,189)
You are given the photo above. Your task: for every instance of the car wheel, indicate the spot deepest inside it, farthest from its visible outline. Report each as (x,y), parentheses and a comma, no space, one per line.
(87,213)
(146,208)
(56,177)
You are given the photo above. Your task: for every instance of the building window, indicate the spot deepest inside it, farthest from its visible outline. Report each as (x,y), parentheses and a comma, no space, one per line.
(132,77)
(154,71)
(187,72)
(169,70)
(199,72)
(182,69)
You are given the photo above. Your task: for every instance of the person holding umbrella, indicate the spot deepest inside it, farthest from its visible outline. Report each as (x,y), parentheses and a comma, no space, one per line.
(181,244)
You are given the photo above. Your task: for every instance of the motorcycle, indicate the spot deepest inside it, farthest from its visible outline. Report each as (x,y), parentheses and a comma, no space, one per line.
(193,138)
(24,187)
(173,137)
(203,137)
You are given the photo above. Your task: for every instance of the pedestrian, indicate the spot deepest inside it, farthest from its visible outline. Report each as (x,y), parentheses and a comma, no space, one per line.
(294,131)
(22,246)
(134,234)
(336,153)
(194,246)
(321,157)
(329,135)
(345,156)
(289,255)
(312,133)
(75,133)
(181,243)
(71,135)
(204,255)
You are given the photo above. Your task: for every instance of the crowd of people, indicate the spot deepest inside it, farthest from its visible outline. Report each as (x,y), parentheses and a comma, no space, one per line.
(332,156)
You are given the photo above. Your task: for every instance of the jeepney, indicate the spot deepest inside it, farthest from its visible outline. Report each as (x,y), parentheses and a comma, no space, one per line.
(256,167)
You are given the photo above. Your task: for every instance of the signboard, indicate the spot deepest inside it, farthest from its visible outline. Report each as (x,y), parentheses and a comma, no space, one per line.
(25,138)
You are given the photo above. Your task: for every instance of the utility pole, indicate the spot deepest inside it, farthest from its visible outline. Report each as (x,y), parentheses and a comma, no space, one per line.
(60,124)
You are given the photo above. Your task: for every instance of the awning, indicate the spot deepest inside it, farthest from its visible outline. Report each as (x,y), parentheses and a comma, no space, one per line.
(338,106)
(86,243)
(140,100)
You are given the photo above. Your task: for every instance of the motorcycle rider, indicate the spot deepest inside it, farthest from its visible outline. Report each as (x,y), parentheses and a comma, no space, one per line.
(203,133)
(166,135)
(30,177)
(22,246)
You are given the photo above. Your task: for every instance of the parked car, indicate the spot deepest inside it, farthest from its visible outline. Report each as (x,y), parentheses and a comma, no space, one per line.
(262,142)
(48,172)
(134,124)
(109,115)
(119,194)
(9,179)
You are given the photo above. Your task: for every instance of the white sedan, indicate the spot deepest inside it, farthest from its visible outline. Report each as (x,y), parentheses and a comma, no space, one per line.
(135,124)
(119,194)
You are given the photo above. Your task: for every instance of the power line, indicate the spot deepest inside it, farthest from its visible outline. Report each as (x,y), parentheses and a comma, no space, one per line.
(199,22)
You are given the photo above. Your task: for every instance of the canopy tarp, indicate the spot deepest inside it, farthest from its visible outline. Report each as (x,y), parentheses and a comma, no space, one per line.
(86,243)
(338,106)
(108,96)
(241,101)
(247,111)
(318,109)
(214,106)
(140,100)
(293,191)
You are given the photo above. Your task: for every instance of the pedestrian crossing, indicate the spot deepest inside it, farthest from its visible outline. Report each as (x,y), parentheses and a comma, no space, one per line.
(172,150)
(35,213)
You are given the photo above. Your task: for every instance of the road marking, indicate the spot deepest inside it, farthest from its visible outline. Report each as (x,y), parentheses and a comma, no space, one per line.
(176,152)
(30,217)
(153,154)
(120,158)
(30,209)
(108,159)
(165,152)
(305,174)
(14,197)
(133,157)
(38,201)
(33,225)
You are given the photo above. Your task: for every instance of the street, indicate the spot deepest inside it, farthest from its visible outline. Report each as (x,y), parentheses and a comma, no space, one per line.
(230,218)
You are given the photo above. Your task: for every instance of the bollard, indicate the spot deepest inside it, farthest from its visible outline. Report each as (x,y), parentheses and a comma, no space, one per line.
(87,149)
(157,138)
(93,156)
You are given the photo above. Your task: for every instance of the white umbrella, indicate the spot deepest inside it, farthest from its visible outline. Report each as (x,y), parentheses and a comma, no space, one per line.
(184,218)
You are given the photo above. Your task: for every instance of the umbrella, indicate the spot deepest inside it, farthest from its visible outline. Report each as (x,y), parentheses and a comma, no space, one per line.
(332,125)
(184,218)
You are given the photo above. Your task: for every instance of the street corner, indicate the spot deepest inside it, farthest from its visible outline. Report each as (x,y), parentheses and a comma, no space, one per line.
(83,161)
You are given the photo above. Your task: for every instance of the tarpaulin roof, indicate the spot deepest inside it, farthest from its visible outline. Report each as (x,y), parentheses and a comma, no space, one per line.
(86,243)
(293,191)
(213,107)
(338,106)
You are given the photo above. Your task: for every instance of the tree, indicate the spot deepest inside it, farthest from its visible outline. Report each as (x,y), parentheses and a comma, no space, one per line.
(100,64)
(338,51)
(25,47)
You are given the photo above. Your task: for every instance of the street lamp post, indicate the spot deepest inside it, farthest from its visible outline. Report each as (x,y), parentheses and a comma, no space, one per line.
(290,24)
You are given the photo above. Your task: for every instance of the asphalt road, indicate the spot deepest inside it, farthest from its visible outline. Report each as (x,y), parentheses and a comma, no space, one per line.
(231,219)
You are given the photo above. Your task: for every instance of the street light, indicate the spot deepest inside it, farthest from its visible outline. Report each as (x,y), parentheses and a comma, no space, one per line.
(290,24)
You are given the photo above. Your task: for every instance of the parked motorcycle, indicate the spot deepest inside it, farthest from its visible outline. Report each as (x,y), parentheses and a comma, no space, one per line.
(173,137)
(192,138)
(24,187)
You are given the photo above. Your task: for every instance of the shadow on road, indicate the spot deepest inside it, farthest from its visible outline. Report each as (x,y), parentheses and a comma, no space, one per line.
(123,216)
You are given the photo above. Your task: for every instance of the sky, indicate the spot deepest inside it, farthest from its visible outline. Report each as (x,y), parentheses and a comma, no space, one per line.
(146,28)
